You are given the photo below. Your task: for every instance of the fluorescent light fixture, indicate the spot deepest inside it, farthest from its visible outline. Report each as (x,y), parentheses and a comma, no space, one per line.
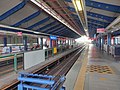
(37,32)
(79,5)
(86,30)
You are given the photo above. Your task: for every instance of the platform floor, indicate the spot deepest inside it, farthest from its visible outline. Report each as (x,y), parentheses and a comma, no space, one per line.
(96,71)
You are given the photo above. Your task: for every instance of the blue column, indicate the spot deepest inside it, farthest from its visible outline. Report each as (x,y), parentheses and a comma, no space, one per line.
(41,42)
(50,43)
(5,41)
(109,39)
(25,43)
(99,42)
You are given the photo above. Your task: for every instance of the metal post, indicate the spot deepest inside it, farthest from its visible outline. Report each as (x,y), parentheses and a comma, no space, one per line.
(15,62)
(53,52)
(47,53)
(108,41)
(5,41)
(25,43)
(50,43)
(41,42)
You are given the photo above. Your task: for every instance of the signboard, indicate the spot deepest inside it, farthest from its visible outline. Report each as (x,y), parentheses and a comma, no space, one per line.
(100,30)
(33,58)
(53,37)
(19,33)
(55,50)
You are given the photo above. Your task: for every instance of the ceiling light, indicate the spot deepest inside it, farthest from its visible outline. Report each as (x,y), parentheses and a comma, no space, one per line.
(79,5)
(37,32)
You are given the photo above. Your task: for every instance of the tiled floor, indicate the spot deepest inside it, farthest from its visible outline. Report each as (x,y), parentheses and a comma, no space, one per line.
(105,73)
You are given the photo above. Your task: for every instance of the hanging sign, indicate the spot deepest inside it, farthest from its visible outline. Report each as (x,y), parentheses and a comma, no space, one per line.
(19,33)
(100,30)
(53,37)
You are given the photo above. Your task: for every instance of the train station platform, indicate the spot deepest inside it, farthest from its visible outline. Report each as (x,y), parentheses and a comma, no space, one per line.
(11,78)
(94,70)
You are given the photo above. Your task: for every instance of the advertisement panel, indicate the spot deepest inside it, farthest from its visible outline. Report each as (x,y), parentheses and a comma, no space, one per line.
(33,58)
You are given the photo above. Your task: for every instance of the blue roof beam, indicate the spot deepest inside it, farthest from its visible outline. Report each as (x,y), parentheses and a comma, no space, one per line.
(62,31)
(27,19)
(54,27)
(39,23)
(46,26)
(69,1)
(107,18)
(71,9)
(59,30)
(103,6)
(12,10)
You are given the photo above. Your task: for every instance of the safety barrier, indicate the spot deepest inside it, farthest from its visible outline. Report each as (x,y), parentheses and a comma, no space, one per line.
(35,82)
(14,57)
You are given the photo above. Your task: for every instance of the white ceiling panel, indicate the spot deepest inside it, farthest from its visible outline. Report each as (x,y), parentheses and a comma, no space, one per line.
(49,21)
(19,15)
(35,20)
(6,5)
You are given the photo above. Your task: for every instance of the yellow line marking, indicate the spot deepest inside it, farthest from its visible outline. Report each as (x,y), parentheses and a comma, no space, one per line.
(103,78)
(79,85)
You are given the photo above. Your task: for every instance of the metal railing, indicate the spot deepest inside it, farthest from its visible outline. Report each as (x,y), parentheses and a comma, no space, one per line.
(14,57)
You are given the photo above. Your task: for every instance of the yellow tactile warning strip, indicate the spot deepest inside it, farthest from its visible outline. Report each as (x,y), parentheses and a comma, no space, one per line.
(99,69)
(102,78)
(79,85)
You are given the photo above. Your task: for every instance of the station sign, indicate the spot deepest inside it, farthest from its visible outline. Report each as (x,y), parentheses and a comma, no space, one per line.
(100,30)
(53,37)
(19,33)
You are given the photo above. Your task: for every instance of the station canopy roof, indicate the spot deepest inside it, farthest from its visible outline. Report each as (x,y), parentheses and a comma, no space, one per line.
(100,13)
(58,17)
(28,14)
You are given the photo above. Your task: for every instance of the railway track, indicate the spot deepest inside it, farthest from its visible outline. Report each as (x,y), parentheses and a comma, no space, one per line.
(62,68)
(57,68)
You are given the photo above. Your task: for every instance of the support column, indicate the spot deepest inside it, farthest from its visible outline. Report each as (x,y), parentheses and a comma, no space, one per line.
(25,43)
(68,42)
(102,42)
(5,41)
(65,41)
(41,42)
(57,43)
(50,43)
(38,41)
(99,42)
(116,41)
(108,41)
(31,42)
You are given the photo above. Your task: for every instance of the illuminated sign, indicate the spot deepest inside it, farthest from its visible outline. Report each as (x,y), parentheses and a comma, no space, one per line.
(53,37)
(100,30)
(19,33)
